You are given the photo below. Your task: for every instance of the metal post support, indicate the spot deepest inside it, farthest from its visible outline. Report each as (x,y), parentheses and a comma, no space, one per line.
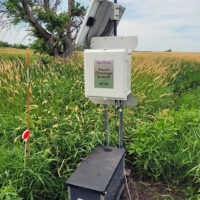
(115,23)
(105,106)
(120,124)
(106,124)
(120,102)
(115,28)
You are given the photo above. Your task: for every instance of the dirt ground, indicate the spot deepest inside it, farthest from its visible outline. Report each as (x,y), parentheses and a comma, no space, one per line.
(149,191)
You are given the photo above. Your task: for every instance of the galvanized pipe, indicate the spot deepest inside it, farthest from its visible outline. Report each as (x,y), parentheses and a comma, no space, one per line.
(120,124)
(115,23)
(106,124)
(120,102)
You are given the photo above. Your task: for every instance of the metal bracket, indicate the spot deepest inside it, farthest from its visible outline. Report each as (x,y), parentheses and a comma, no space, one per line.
(116,12)
(129,42)
(131,101)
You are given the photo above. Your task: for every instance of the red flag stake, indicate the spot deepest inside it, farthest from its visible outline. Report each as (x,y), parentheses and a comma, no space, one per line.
(26,133)
(27,104)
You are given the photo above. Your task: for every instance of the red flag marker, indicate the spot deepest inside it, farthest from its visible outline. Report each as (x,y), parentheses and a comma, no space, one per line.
(26,134)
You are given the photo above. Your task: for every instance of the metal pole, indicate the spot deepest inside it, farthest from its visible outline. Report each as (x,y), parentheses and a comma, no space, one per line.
(115,23)
(105,106)
(120,124)
(120,102)
(106,125)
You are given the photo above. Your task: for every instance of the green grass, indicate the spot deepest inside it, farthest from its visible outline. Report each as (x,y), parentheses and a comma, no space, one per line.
(161,134)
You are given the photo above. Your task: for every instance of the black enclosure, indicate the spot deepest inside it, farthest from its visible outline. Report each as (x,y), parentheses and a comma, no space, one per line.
(99,177)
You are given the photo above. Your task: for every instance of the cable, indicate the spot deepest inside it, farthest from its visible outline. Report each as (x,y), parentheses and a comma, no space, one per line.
(127,187)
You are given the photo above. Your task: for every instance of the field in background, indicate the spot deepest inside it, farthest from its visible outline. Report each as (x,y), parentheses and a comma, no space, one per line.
(186,56)
(4,50)
(161,134)
(195,56)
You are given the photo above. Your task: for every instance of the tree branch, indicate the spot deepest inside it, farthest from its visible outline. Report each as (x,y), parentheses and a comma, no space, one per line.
(3,11)
(31,19)
(70,5)
(57,3)
(46,4)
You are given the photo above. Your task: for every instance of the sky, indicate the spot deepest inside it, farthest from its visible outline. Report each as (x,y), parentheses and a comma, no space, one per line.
(159,24)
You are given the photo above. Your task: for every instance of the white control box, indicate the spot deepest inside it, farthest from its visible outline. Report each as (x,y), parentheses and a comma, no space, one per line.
(107,73)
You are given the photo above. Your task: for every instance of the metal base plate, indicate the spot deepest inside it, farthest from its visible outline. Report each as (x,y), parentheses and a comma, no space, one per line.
(131,101)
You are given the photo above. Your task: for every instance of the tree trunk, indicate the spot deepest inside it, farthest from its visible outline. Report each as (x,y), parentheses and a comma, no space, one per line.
(67,39)
(46,4)
(68,48)
(70,5)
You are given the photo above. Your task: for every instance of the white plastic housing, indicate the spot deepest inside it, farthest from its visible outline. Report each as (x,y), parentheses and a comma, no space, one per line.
(107,73)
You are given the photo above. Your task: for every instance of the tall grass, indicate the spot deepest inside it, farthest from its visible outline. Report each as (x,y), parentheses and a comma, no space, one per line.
(160,134)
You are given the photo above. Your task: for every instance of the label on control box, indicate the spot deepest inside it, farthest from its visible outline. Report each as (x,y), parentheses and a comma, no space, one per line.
(104,74)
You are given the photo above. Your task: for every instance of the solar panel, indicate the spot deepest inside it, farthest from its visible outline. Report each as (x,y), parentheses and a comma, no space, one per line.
(98,21)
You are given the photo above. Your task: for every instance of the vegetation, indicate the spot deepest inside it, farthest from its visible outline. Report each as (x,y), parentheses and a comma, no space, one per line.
(161,134)
(53,29)
(17,46)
